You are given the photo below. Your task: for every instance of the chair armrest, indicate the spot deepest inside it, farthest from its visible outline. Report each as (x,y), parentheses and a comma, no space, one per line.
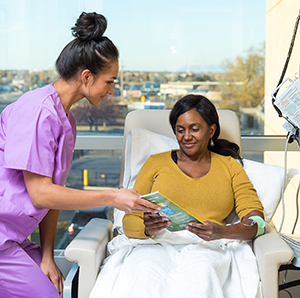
(88,249)
(271,252)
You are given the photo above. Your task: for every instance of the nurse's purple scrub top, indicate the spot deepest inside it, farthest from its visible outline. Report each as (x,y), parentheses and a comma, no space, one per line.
(36,135)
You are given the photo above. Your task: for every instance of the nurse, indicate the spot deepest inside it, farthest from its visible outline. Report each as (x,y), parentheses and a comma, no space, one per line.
(37,139)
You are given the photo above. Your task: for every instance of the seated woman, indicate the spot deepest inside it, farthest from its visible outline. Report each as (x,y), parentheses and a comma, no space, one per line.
(201,177)
(205,179)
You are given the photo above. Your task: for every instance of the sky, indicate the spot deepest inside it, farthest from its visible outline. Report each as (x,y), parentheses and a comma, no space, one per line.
(157,35)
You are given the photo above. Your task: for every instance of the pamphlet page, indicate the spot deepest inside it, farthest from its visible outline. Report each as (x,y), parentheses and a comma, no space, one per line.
(178,217)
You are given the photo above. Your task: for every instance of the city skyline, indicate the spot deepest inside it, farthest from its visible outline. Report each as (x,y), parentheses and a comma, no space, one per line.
(165,35)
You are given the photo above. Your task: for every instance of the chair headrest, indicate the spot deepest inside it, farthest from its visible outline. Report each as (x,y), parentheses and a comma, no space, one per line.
(158,121)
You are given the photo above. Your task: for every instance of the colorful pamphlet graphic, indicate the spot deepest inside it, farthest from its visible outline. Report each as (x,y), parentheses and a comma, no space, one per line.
(178,217)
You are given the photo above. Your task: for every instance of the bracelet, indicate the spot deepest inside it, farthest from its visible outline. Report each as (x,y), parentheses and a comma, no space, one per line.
(260,224)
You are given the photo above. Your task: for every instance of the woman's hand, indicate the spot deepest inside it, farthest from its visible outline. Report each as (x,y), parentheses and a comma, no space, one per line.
(54,274)
(129,200)
(212,231)
(154,222)
(207,231)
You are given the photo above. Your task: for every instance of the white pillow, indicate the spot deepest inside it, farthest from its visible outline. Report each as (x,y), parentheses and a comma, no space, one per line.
(268,181)
(141,143)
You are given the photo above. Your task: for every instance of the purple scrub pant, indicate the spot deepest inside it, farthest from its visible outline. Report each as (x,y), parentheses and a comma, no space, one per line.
(20,274)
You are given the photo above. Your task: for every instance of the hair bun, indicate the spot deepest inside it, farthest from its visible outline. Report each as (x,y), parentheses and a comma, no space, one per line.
(90,26)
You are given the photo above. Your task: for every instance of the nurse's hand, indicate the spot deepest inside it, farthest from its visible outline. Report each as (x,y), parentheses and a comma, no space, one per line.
(54,274)
(129,200)
(154,222)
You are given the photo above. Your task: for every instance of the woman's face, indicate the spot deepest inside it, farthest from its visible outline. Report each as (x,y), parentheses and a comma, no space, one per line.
(98,87)
(193,133)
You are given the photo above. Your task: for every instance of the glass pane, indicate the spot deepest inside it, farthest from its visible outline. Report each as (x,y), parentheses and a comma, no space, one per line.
(255,156)
(167,49)
(95,168)
(91,170)
(213,48)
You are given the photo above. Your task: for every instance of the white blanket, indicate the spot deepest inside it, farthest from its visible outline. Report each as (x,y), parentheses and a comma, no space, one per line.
(177,264)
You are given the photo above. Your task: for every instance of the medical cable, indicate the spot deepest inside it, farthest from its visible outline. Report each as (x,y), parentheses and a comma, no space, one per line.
(284,180)
(297,208)
(288,293)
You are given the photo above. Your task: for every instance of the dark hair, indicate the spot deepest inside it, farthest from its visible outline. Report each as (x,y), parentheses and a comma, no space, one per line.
(89,50)
(209,114)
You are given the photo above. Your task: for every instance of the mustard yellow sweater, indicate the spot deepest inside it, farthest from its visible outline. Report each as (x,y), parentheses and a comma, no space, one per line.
(211,197)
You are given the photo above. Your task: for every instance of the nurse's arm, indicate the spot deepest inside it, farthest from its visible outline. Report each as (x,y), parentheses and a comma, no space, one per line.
(44,194)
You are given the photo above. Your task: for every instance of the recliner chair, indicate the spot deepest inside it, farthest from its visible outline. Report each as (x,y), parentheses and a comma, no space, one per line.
(88,249)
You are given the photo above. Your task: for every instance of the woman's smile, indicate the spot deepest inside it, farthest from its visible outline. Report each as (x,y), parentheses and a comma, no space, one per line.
(189,145)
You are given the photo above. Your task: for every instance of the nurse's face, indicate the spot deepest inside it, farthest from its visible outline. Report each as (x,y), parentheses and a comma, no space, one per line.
(100,86)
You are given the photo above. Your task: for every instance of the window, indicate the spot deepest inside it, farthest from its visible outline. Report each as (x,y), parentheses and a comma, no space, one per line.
(214,48)
(167,49)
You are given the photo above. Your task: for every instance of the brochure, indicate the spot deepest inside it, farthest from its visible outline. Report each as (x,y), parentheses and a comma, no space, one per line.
(178,217)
